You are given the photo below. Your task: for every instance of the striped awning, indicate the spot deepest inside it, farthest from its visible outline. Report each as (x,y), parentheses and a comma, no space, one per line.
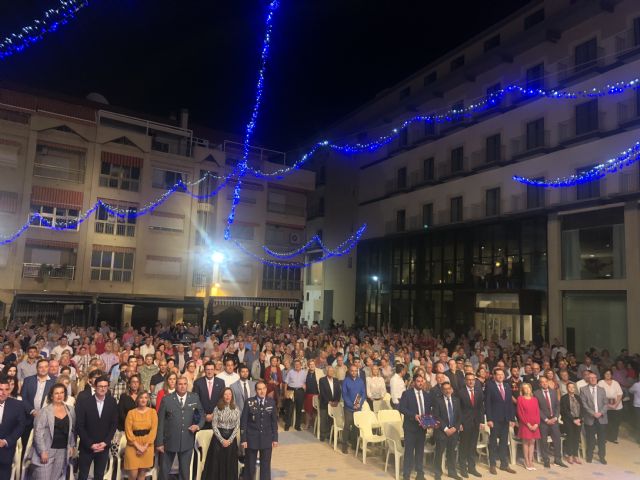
(256,302)
(39,242)
(55,197)
(122,160)
(9,202)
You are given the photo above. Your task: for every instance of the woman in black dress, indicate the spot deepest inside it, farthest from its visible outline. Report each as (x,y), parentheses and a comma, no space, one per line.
(128,400)
(222,458)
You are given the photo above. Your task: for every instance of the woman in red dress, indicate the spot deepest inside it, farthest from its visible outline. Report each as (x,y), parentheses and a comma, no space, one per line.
(528,423)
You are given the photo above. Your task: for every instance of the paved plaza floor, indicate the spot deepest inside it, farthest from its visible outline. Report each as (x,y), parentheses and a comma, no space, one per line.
(300,456)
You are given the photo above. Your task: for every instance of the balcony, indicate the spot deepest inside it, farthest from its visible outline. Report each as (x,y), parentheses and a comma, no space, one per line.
(484,158)
(573,68)
(43,270)
(55,172)
(628,113)
(527,145)
(569,131)
(201,279)
(627,43)
(452,169)
(286,209)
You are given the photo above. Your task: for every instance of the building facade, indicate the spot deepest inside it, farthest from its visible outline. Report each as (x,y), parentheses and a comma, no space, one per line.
(154,262)
(452,240)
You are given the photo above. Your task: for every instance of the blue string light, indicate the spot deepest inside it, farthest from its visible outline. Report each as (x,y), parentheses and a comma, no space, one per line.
(315,240)
(50,21)
(625,159)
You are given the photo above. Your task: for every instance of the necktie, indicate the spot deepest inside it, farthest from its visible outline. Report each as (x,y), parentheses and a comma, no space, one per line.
(449,410)
(182,402)
(594,394)
(472,398)
(246,392)
(501,388)
(546,394)
(210,387)
(420,404)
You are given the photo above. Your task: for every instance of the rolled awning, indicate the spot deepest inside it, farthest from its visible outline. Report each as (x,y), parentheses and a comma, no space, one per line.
(256,302)
(55,197)
(122,160)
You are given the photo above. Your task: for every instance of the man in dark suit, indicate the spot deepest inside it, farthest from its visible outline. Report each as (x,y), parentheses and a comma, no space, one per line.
(472,412)
(414,403)
(549,416)
(12,423)
(259,432)
(96,423)
(455,376)
(90,386)
(500,416)
(35,389)
(534,377)
(209,389)
(446,410)
(329,394)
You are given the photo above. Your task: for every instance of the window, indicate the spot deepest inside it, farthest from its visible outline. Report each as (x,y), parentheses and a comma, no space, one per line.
(119,176)
(400,220)
(403,137)
(492,43)
(287,237)
(593,245)
(493,148)
(429,128)
(207,187)
(457,62)
(110,224)
(112,266)
(401,178)
(166,222)
(534,19)
(405,92)
(205,227)
(587,117)
(241,231)
(428,165)
(535,195)
(535,77)
(589,189)
(430,78)
(636,31)
(56,216)
(281,278)
(492,202)
(586,54)
(457,160)
(456,209)
(427,215)
(535,134)
(286,203)
(166,179)
(60,163)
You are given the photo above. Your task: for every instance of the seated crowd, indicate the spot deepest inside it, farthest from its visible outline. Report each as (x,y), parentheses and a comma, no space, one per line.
(94,389)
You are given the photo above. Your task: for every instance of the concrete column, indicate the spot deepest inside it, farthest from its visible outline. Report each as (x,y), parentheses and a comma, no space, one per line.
(632,265)
(554,275)
(127,311)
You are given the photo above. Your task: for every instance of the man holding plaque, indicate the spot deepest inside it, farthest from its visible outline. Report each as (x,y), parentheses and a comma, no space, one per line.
(415,405)
(354,393)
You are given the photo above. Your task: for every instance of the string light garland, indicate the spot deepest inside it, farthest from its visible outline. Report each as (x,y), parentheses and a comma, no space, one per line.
(308,246)
(626,158)
(50,21)
(453,115)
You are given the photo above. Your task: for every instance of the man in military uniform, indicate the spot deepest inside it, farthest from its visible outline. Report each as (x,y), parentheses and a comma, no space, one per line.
(259,432)
(181,416)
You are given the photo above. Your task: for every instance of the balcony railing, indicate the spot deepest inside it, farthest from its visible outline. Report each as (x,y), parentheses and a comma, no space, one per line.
(573,67)
(446,169)
(529,144)
(628,112)
(483,158)
(56,172)
(41,270)
(201,279)
(568,130)
(627,42)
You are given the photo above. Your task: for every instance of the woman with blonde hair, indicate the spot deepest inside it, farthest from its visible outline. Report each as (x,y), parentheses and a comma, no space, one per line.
(528,412)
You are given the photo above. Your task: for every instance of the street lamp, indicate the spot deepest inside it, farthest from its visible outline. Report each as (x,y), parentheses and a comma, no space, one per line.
(376,279)
(217,257)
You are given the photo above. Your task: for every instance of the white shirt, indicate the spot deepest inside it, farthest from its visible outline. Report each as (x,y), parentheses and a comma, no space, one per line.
(593,391)
(613,391)
(635,390)
(330,385)
(57,351)
(420,400)
(228,378)
(580,384)
(397,387)
(38,400)
(146,349)
(1,411)
(100,405)
(182,400)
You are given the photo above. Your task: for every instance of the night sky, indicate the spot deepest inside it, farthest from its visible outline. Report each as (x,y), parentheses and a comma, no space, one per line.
(328,56)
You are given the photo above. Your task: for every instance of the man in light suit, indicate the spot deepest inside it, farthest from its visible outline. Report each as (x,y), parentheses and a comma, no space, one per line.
(12,424)
(34,393)
(259,432)
(594,403)
(414,403)
(181,415)
(243,388)
(549,413)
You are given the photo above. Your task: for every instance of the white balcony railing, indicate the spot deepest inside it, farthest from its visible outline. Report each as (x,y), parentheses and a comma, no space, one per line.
(42,270)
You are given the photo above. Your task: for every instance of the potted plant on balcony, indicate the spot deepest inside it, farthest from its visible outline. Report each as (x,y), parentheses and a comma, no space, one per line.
(44,273)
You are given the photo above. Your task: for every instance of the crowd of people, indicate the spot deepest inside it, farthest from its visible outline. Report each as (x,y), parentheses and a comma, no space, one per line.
(90,388)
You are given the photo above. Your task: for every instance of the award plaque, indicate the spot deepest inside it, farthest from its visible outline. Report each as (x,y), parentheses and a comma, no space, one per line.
(429,421)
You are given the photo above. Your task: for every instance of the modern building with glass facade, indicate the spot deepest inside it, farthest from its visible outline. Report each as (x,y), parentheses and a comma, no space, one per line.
(452,240)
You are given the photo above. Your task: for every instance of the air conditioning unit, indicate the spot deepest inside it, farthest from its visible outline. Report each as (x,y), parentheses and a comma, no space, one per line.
(295,238)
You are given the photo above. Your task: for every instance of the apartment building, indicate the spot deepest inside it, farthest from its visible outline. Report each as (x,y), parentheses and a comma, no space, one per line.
(170,264)
(452,240)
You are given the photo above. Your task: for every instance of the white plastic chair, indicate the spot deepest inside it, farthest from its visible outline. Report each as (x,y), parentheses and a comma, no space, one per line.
(26,461)
(364,421)
(16,466)
(482,447)
(514,441)
(393,433)
(203,443)
(315,401)
(117,463)
(389,416)
(337,414)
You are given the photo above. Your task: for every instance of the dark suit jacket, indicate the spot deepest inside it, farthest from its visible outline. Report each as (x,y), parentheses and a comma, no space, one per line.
(200,388)
(325,392)
(440,413)
(544,406)
(11,429)
(408,406)
(92,428)
(28,393)
(472,415)
(457,380)
(565,408)
(498,410)
(176,356)
(259,425)
(534,382)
